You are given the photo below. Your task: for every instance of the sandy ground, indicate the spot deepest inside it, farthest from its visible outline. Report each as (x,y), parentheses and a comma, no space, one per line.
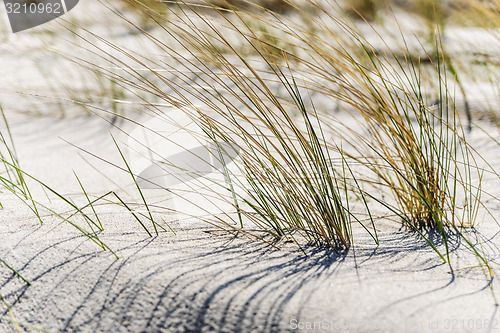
(199,280)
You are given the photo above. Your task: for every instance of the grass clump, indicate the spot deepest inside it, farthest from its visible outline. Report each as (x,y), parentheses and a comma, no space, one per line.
(419,151)
(412,139)
(407,143)
(294,186)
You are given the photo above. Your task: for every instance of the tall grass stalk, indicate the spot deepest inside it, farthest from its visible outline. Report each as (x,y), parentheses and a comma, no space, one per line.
(15,180)
(14,320)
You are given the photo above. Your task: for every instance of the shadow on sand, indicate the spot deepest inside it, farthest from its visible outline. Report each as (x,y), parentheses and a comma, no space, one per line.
(203,283)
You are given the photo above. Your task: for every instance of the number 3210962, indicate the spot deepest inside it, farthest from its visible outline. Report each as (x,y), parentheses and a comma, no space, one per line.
(470,324)
(34,8)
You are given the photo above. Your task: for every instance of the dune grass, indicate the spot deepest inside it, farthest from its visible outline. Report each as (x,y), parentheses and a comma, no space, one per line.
(416,150)
(300,180)
(12,179)
(295,185)
(254,79)
(15,180)
(308,178)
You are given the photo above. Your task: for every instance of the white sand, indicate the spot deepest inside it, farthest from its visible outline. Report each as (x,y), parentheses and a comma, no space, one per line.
(203,282)
(199,281)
